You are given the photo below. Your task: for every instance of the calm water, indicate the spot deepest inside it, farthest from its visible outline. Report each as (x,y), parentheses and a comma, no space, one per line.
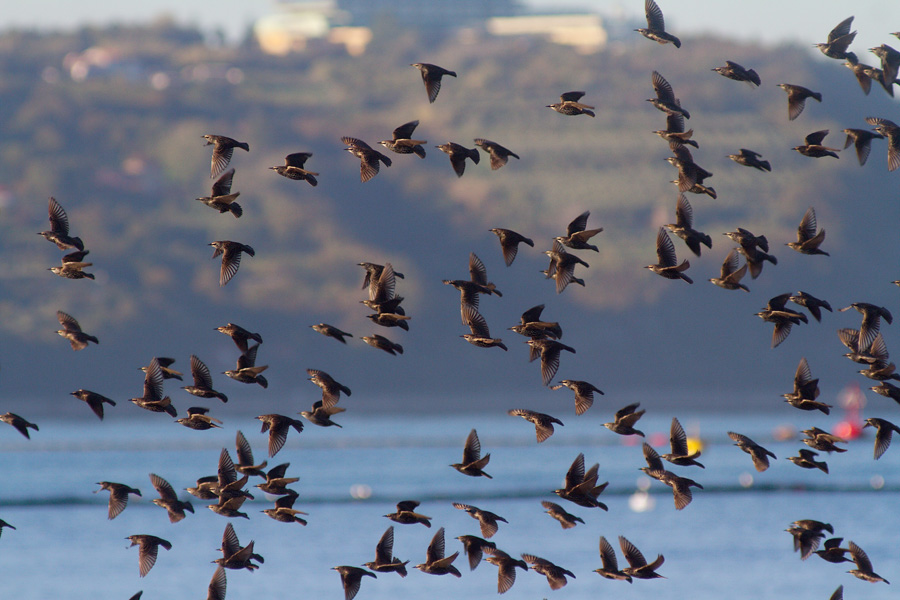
(729,543)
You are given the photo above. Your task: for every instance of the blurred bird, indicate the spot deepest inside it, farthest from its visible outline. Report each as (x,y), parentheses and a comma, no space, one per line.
(321,415)
(863,568)
(284,511)
(580,486)
(474,548)
(890,62)
(401,142)
(499,154)
(221,198)
(5,524)
(753,248)
(198,419)
(734,71)
(458,155)
(118,496)
(808,240)
(148,548)
(862,141)
(811,303)
(562,266)
(813,148)
(73,266)
(21,425)
(807,534)
(884,430)
(94,400)
(757,453)
(431,77)
(223,148)
(871,322)
(71,330)
(806,390)
(610,568)
(839,39)
(625,418)
(549,351)
(584,393)
(435,561)
(806,459)
(509,243)
(231,257)
(278,427)
(683,226)
(369,158)
(690,174)
(891,131)
(569,105)
(674,132)
(556,575)
(668,266)
(749,158)
(566,520)
(656,27)
(833,552)
(823,441)
(59,228)
(543,424)
(681,486)
(861,72)
(637,564)
(239,335)
(665,96)
(293,168)
(332,332)
(217,585)
(730,275)
(783,318)
(351,579)
(797,96)
(382,343)
(506,567)
(168,499)
(485,518)
(331,389)
(406,514)
(472,461)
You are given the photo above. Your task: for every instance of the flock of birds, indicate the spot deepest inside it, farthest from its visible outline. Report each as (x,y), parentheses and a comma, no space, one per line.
(228,488)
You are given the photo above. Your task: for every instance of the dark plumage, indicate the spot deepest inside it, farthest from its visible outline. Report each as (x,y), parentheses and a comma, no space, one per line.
(580,486)
(638,567)
(811,303)
(71,330)
(556,575)
(231,257)
(198,420)
(331,331)
(21,425)
(488,520)
(783,318)
(749,158)
(321,415)
(813,148)
(401,142)
(431,77)
(480,333)
(331,389)
(734,71)
(458,155)
(168,499)
(797,96)
(562,266)
(753,248)
(862,141)
(577,234)
(94,400)
(278,427)
(683,226)
(665,97)
(656,26)
(871,322)
(806,390)
(435,561)
(584,393)
(293,168)
(221,198)
(730,275)
(153,398)
(543,424)
(118,496)
(891,131)
(369,158)
(808,239)
(569,105)
(148,548)
(509,243)
(59,228)
(499,154)
(566,519)
(474,548)
(610,568)
(202,387)
(863,568)
(506,567)
(246,370)
(351,579)
(839,39)
(549,351)
(472,461)
(406,514)
(382,343)
(884,430)
(625,418)
(223,148)
(679,444)
(806,459)
(668,266)
(757,453)
(674,132)
(244,453)
(385,561)
(239,335)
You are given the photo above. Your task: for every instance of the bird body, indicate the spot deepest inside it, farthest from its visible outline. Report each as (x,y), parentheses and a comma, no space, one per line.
(221,198)
(569,105)
(458,155)
(431,77)
(223,148)
(294,168)
(656,26)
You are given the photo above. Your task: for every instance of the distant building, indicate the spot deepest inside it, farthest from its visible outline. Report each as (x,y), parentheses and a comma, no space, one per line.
(584,31)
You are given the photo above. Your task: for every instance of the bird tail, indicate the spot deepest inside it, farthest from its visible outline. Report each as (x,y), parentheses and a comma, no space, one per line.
(262,381)
(244,146)
(473,154)
(236,210)
(589,113)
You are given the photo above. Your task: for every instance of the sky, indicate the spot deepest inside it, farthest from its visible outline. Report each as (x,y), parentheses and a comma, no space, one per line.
(770,21)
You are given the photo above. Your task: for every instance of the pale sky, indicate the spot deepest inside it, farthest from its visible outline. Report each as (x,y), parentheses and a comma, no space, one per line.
(758,20)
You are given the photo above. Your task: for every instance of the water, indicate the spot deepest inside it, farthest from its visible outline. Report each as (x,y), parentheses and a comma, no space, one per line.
(730,542)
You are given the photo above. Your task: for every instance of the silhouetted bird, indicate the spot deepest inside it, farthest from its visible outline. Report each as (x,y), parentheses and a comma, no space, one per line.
(485,518)
(638,567)
(839,39)
(246,370)
(148,548)
(730,275)
(665,96)
(168,499)
(221,198)
(610,568)
(812,304)
(806,390)
(813,148)
(217,585)
(71,330)
(385,561)
(543,424)
(401,142)
(369,158)
(884,430)
(382,343)
(749,158)
(862,141)
(888,390)
(797,96)
(584,393)
(458,155)
(668,266)
(506,567)
(833,552)
(202,387)
(499,154)
(806,459)
(59,228)
(118,496)
(509,243)
(21,425)
(351,579)
(757,453)
(153,398)
(566,520)
(683,226)
(891,131)
(431,76)
(435,561)
(807,534)
(580,486)
(808,240)
(624,420)
(293,168)
(734,71)
(5,524)
(474,548)
(577,235)
(406,514)
(231,257)
(569,105)
(278,427)
(94,400)
(223,148)
(239,335)
(656,27)
(472,461)
(863,568)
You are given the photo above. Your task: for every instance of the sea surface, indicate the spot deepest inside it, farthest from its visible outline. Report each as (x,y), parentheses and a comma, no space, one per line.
(730,542)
